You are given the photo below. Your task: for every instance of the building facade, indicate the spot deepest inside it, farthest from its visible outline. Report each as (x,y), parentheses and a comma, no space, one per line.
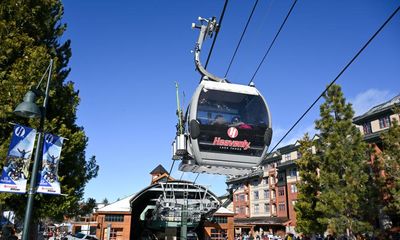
(114,220)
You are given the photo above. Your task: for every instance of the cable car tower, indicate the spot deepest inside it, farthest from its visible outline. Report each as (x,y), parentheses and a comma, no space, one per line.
(227,127)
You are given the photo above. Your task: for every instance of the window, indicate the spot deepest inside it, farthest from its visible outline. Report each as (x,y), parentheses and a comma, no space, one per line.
(255,194)
(115,233)
(236,197)
(281,177)
(255,182)
(294,202)
(384,122)
(217,234)
(266,207)
(266,194)
(265,181)
(92,230)
(114,218)
(219,219)
(287,157)
(247,107)
(242,197)
(293,188)
(281,191)
(281,207)
(299,154)
(293,172)
(256,208)
(367,128)
(242,210)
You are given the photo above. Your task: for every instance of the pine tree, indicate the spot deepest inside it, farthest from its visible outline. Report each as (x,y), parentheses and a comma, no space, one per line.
(309,188)
(388,177)
(105,201)
(30,33)
(342,167)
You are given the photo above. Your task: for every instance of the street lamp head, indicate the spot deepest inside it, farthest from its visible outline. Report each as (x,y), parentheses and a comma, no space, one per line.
(28,107)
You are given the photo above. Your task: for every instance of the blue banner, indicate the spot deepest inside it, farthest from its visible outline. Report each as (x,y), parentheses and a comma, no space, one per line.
(15,171)
(49,182)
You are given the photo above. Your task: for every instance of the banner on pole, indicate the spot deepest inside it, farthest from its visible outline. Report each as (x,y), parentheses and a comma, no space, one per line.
(48,182)
(16,169)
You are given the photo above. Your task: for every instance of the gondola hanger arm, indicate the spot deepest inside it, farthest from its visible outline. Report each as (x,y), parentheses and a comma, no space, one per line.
(207,28)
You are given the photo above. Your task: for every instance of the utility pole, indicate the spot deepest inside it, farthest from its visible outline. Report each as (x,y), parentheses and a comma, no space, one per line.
(184,216)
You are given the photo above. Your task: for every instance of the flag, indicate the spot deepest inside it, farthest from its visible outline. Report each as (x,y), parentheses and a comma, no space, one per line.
(15,171)
(48,177)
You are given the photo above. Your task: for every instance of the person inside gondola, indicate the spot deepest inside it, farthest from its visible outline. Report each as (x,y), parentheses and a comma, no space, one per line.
(219,120)
(236,122)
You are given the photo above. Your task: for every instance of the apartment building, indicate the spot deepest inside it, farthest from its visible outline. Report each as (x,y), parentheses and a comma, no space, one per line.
(377,120)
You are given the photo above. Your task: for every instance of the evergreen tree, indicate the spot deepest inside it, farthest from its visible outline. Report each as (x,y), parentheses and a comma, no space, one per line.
(30,33)
(388,177)
(105,201)
(342,167)
(309,187)
(88,207)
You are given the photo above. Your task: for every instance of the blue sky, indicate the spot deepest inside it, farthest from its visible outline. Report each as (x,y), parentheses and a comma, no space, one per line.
(127,55)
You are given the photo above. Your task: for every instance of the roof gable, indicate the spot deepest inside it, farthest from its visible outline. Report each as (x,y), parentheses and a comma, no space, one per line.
(158,170)
(122,205)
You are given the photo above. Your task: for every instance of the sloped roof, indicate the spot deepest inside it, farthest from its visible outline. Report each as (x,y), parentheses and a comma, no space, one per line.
(288,148)
(223,210)
(376,110)
(158,170)
(161,177)
(122,205)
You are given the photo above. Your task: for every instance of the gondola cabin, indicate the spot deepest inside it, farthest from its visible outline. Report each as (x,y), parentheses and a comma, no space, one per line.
(228,129)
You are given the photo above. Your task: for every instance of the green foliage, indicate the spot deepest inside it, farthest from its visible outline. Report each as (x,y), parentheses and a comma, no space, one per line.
(87,207)
(30,32)
(105,201)
(388,177)
(342,166)
(335,199)
(309,187)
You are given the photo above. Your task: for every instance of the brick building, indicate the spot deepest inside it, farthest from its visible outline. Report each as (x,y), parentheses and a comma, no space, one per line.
(220,226)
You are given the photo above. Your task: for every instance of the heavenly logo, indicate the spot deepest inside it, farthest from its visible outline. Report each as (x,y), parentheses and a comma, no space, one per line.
(229,143)
(49,138)
(20,131)
(232,132)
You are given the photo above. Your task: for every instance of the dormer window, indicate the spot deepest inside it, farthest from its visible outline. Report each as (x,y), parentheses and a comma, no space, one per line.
(384,122)
(367,128)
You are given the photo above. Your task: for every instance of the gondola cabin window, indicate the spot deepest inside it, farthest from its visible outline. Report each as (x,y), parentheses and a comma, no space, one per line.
(235,119)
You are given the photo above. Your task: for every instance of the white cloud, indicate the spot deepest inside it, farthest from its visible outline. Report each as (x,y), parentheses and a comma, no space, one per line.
(366,100)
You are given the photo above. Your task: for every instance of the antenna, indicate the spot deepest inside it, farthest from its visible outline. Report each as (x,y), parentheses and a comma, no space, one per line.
(178,111)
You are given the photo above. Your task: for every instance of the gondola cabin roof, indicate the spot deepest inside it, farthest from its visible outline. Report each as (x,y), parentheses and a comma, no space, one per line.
(229,87)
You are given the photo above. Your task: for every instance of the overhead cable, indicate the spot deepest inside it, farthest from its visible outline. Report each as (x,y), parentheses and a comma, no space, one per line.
(241,37)
(216,34)
(273,41)
(170,170)
(337,77)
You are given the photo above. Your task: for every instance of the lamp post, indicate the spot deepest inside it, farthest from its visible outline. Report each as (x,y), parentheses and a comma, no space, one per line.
(29,109)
